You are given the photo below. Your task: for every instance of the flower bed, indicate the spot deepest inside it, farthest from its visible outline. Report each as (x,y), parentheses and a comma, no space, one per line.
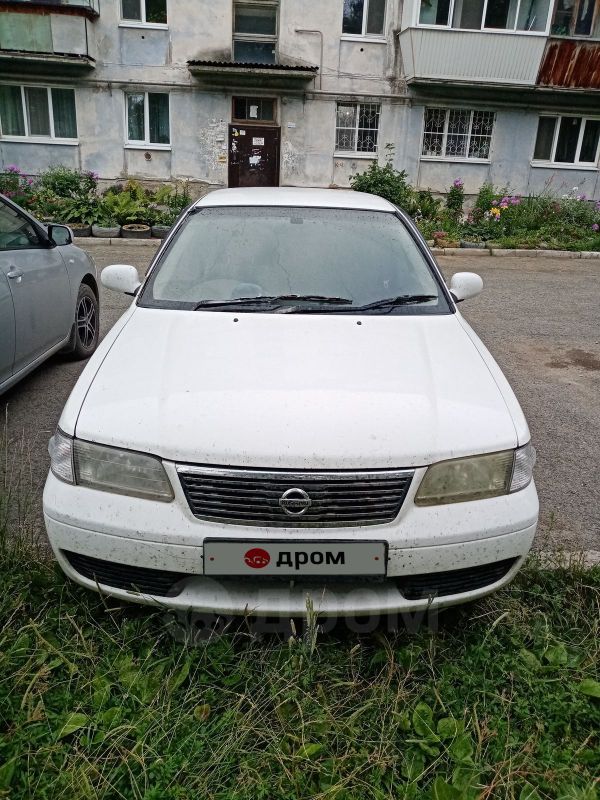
(71,197)
(498,218)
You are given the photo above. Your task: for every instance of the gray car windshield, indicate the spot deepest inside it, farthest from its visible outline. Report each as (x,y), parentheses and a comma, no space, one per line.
(294,260)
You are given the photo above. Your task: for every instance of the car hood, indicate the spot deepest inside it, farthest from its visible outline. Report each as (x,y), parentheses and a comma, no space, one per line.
(296,391)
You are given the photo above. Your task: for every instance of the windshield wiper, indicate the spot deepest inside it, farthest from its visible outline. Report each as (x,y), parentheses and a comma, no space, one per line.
(392,302)
(267,300)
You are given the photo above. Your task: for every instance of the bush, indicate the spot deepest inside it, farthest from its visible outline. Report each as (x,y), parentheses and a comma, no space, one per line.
(386,182)
(16,186)
(455,200)
(65,182)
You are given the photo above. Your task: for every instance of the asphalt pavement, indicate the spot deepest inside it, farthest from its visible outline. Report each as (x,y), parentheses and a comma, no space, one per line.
(540,318)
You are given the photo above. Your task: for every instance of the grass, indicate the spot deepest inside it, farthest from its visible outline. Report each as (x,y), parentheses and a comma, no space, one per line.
(101,701)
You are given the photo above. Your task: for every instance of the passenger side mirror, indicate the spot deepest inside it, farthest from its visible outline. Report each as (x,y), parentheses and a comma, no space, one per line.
(60,234)
(121,278)
(464,285)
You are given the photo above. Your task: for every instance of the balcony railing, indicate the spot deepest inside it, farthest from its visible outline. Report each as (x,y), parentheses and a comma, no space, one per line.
(52,38)
(434,55)
(89,6)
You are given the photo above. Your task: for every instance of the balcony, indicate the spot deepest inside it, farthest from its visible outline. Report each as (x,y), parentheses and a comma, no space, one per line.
(571,64)
(446,55)
(55,37)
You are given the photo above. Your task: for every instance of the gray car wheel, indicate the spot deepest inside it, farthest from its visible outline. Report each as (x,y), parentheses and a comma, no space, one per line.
(86,328)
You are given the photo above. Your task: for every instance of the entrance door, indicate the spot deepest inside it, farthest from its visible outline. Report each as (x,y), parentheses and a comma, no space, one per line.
(253,155)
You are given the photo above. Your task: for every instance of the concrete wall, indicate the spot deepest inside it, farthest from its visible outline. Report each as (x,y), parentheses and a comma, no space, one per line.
(355,69)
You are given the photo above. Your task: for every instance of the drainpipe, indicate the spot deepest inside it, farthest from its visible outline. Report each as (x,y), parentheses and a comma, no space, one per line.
(320,35)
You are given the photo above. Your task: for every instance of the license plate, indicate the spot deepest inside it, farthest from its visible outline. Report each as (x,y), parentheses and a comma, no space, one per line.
(266,557)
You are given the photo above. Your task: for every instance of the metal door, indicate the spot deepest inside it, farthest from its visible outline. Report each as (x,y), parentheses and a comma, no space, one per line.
(253,155)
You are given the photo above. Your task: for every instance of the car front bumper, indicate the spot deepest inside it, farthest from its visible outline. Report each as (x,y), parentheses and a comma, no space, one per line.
(167,537)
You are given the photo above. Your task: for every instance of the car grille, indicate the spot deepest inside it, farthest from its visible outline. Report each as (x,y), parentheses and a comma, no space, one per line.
(456,581)
(252,497)
(157,582)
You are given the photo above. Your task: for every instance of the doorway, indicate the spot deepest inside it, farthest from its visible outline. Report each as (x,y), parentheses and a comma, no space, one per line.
(253,155)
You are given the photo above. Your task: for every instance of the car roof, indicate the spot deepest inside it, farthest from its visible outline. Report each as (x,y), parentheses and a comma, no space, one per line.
(288,196)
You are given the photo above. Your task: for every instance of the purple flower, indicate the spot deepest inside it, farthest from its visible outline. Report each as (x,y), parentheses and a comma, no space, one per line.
(12,168)
(581,197)
(458,184)
(514,201)
(596,227)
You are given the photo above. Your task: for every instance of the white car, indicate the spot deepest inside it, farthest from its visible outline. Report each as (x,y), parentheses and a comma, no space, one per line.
(292,409)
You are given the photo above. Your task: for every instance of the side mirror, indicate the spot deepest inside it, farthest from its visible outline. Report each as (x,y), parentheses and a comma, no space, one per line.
(60,235)
(121,278)
(465,285)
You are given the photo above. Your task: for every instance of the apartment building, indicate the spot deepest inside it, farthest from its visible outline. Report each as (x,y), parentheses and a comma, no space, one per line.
(305,92)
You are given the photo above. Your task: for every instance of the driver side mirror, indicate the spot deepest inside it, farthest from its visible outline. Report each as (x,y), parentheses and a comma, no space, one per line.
(121,278)
(60,235)
(464,285)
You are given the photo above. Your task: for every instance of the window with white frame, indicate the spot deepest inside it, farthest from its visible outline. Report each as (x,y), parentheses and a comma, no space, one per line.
(255,31)
(148,119)
(145,12)
(38,112)
(524,16)
(357,127)
(364,17)
(576,18)
(457,133)
(568,140)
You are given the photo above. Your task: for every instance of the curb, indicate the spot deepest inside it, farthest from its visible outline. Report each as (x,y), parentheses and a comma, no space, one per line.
(96,241)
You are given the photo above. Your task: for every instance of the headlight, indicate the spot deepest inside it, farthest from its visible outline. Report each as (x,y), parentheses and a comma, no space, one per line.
(109,469)
(477,477)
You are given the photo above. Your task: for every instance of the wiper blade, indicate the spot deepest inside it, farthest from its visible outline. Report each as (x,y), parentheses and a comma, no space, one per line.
(392,302)
(268,299)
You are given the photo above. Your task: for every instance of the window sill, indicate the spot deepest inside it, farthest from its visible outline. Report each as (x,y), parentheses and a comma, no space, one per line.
(39,140)
(354,156)
(152,26)
(480,30)
(456,160)
(354,37)
(558,165)
(142,146)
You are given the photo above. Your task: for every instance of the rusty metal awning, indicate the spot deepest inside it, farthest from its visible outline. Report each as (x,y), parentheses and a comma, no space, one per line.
(228,73)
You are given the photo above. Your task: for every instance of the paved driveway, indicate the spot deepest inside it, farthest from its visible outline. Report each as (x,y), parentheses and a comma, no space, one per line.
(539,317)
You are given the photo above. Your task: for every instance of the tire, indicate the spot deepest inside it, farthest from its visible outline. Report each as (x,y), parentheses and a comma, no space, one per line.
(86,326)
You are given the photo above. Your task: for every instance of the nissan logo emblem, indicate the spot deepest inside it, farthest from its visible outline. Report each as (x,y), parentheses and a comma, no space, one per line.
(295,502)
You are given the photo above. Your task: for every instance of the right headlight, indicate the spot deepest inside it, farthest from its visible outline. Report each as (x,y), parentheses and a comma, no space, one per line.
(477,477)
(108,469)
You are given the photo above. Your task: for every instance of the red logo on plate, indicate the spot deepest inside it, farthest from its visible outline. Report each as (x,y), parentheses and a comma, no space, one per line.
(257,558)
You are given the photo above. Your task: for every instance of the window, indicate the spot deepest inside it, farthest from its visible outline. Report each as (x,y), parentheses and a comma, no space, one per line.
(575,18)
(38,112)
(16,233)
(567,140)
(364,17)
(257,109)
(513,15)
(255,32)
(148,119)
(357,127)
(146,12)
(457,133)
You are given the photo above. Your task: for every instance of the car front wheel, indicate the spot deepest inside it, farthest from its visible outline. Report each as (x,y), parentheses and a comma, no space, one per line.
(86,328)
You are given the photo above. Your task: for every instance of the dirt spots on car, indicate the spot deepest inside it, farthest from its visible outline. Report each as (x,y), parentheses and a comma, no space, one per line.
(575,358)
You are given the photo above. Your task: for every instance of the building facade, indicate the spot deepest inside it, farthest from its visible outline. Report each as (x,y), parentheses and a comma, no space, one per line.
(305,93)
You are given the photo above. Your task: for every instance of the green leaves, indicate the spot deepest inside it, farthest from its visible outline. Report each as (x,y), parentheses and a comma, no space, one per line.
(590,688)
(71,724)
(422,720)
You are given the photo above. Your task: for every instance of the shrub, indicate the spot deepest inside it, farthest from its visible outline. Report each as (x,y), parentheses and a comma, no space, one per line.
(65,182)
(123,208)
(16,186)
(386,182)
(455,200)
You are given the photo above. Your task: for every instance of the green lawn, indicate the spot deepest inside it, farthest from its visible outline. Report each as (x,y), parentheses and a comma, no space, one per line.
(100,701)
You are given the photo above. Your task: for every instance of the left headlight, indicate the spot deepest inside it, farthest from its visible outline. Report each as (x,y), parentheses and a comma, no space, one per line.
(108,468)
(477,477)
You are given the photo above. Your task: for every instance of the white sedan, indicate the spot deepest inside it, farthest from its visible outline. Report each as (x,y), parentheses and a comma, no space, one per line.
(292,413)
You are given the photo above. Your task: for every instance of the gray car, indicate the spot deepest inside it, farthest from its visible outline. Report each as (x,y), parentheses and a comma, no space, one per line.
(48,294)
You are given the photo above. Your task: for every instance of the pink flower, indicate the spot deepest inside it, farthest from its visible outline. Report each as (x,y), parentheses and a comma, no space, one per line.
(458,184)
(596,227)
(12,168)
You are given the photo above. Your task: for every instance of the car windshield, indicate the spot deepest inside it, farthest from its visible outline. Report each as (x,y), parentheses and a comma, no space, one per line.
(294,260)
